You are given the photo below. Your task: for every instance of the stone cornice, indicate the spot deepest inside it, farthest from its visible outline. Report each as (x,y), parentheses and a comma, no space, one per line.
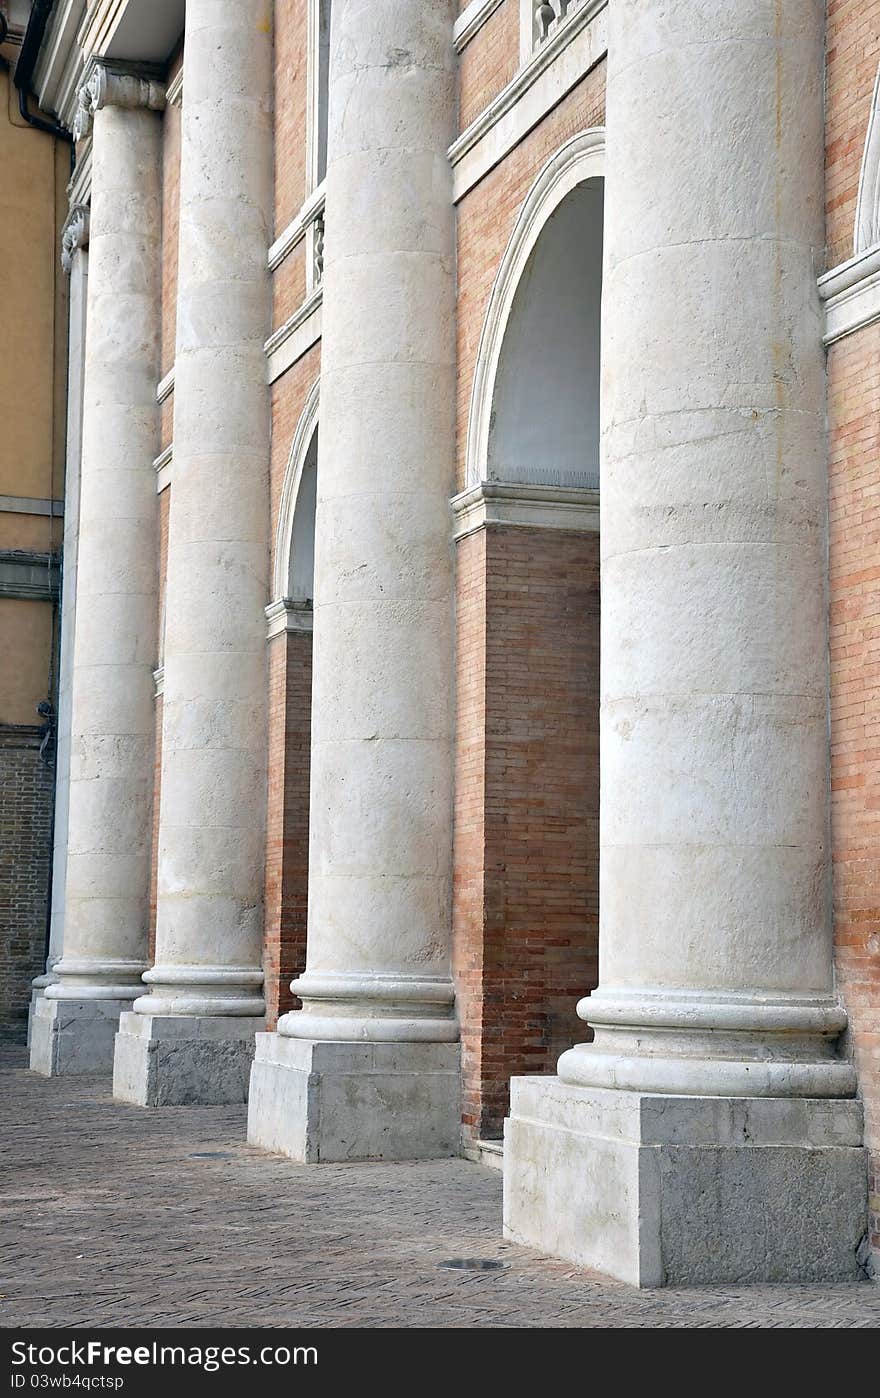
(295,231)
(285,616)
(851,293)
(114,85)
(174,91)
(556,66)
(524,507)
(74,234)
(471,21)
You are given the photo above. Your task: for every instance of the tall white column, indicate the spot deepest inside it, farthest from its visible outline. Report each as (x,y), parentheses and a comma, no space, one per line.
(716,985)
(106,886)
(191,1038)
(75,261)
(369,1066)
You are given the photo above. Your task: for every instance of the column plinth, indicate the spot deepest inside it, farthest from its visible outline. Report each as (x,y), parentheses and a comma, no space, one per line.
(704,1135)
(106,726)
(369,1066)
(190,1038)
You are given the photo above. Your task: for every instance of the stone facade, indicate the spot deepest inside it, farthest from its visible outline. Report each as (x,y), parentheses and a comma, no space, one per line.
(366,843)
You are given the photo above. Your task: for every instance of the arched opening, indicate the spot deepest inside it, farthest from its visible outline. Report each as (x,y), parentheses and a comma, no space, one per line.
(544,424)
(534,445)
(290,703)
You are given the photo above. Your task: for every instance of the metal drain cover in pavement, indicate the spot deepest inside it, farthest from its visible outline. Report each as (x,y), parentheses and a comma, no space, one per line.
(473,1264)
(210,1155)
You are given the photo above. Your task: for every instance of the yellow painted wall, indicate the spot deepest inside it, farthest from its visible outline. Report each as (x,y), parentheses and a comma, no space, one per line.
(34,170)
(25,647)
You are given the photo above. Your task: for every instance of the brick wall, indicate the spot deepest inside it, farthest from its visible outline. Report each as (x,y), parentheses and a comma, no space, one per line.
(854,500)
(488,62)
(486,216)
(852,56)
(527,803)
(290,698)
(25,855)
(291,80)
(287,819)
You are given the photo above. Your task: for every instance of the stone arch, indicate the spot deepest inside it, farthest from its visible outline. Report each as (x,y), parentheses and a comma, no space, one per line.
(866,233)
(581,158)
(300,466)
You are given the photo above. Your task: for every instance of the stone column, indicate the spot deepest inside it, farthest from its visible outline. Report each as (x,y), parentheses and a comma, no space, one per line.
(75,261)
(701,1136)
(110,745)
(369,1066)
(191,1038)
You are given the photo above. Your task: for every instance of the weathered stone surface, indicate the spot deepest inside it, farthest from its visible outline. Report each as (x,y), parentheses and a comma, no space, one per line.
(318,1101)
(166,1061)
(73,1036)
(686,1191)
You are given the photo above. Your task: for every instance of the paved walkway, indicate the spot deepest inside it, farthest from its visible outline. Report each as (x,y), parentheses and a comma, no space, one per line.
(113,1215)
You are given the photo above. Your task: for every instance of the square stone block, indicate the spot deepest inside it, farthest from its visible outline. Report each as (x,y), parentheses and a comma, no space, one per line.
(183,1060)
(660,1190)
(320,1101)
(73,1036)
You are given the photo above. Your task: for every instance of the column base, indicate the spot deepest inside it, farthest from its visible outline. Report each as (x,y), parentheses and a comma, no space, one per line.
(38,992)
(73,1036)
(183,1060)
(658,1190)
(317,1100)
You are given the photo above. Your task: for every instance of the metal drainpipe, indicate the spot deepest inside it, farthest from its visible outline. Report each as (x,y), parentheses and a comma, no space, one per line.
(24,70)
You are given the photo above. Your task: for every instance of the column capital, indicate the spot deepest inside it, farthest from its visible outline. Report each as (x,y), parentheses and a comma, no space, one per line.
(114,85)
(74,234)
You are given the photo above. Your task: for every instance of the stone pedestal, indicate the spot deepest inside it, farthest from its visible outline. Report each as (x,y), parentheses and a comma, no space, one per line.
(318,1101)
(660,1190)
(183,1060)
(73,1036)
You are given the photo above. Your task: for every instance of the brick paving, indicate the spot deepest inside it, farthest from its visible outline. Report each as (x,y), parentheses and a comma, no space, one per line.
(113,1216)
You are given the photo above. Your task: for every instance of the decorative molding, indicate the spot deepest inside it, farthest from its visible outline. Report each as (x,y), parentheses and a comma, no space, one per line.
(74,234)
(31,505)
(284,616)
(174,90)
(554,69)
(866,233)
(524,507)
(312,209)
(162,467)
(114,86)
(581,158)
(79,190)
(471,21)
(159,680)
(851,294)
(165,386)
(27,574)
(290,341)
(299,449)
(546,18)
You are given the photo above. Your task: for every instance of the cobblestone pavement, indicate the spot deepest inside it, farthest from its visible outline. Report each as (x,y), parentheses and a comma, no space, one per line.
(113,1215)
